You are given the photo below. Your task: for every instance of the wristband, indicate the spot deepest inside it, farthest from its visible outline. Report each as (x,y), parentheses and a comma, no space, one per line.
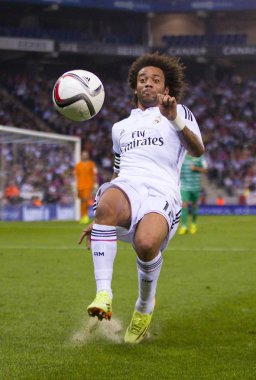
(178,123)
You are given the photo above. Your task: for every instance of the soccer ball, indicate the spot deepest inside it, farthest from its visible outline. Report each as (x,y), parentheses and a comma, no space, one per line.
(78,95)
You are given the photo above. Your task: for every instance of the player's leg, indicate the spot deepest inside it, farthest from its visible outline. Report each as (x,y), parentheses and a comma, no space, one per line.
(194,211)
(113,209)
(84,197)
(147,243)
(184,213)
(80,195)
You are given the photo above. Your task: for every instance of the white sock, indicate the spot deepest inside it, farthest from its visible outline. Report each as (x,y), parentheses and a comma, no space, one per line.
(104,246)
(148,273)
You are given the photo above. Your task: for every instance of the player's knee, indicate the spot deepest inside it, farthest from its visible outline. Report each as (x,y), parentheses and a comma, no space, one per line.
(145,245)
(105,213)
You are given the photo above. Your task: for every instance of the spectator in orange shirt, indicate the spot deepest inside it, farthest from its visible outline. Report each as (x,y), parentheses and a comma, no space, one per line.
(220,201)
(86,176)
(12,193)
(36,201)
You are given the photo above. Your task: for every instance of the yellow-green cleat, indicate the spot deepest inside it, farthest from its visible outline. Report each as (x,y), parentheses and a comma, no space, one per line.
(192,229)
(182,230)
(101,307)
(138,327)
(85,220)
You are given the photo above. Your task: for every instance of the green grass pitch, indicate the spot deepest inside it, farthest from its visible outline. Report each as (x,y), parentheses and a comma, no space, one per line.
(204,324)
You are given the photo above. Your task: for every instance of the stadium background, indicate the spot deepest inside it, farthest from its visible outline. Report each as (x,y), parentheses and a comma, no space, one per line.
(204,321)
(217,42)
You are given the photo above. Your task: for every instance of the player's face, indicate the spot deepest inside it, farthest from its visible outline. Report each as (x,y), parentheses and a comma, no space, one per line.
(85,156)
(150,82)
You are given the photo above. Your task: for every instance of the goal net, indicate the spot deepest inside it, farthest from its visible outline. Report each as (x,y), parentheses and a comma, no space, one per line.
(37,175)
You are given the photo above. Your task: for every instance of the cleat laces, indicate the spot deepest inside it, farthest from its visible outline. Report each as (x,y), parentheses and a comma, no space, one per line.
(138,324)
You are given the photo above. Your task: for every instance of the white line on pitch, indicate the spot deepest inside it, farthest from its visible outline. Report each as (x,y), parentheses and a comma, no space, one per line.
(186,249)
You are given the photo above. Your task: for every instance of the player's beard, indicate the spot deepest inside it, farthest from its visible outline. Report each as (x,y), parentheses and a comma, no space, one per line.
(147,101)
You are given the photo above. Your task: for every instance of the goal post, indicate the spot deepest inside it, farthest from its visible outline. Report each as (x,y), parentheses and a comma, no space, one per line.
(41,165)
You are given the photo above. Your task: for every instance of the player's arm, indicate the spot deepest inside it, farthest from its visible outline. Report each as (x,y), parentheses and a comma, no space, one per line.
(201,167)
(192,143)
(189,139)
(116,167)
(198,169)
(116,150)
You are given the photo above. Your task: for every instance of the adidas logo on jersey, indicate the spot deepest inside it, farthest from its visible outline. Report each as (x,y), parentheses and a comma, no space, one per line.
(157,120)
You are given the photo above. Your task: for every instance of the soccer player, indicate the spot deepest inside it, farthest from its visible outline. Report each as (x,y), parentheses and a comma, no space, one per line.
(86,180)
(191,171)
(142,203)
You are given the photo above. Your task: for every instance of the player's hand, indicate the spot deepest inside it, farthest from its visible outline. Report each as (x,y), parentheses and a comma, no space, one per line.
(168,106)
(87,235)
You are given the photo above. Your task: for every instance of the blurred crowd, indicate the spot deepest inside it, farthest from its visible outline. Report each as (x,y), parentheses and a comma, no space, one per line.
(225,110)
(226,113)
(37,173)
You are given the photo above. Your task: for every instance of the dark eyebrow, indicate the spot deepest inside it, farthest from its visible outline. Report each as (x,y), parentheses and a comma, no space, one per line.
(154,75)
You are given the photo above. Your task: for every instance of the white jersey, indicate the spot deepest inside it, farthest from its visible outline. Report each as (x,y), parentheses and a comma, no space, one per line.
(150,150)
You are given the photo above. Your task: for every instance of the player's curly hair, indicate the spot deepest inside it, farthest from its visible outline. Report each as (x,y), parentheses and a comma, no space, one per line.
(172,68)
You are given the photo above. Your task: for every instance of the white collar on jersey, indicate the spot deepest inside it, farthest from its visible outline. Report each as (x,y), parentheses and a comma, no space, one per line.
(135,111)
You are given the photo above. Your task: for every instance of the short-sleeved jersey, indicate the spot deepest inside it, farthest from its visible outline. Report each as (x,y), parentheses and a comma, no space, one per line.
(191,179)
(150,150)
(85,173)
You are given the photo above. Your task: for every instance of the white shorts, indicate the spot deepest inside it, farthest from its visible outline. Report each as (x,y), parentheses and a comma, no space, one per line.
(142,203)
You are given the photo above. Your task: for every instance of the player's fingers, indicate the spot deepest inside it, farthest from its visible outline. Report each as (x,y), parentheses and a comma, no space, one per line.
(81,239)
(164,100)
(172,100)
(88,242)
(160,98)
(169,99)
(84,234)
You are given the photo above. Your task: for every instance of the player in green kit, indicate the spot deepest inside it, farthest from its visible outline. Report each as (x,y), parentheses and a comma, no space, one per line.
(191,172)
